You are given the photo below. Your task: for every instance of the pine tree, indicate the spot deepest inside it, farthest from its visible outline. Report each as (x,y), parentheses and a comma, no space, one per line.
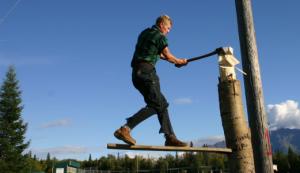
(90,158)
(12,127)
(90,161)
(49,163)
(294,161)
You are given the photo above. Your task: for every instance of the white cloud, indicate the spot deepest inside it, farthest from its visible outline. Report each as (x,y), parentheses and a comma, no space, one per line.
(24,60)
(284,115)
(62,151)
(57,123)
(183,101)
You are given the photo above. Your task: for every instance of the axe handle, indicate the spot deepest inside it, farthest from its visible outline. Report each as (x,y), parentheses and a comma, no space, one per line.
(199,57)
(202,56)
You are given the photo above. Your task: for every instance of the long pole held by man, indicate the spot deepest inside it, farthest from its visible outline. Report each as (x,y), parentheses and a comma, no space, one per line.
(253,87)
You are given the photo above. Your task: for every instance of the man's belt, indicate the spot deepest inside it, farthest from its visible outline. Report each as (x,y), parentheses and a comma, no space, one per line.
(143,64)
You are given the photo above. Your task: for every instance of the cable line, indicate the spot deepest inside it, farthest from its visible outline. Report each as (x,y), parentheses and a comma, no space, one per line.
(9,11)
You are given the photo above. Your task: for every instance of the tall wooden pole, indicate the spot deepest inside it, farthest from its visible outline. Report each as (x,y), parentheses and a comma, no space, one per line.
(236,130)
(253,88)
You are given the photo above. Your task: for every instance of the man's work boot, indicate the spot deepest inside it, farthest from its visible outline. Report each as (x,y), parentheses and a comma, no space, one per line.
(123,133)
(171,140)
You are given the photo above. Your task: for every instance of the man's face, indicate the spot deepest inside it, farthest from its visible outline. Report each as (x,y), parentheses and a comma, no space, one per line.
(165,27)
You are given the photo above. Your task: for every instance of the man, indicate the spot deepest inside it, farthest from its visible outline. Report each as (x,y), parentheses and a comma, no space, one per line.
(152,45)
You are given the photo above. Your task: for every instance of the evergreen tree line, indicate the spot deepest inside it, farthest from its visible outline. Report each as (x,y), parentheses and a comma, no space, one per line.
(192,162)
(189,161)
(287,163)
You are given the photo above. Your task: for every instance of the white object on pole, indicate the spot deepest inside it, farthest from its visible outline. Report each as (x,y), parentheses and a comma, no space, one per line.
(227,63)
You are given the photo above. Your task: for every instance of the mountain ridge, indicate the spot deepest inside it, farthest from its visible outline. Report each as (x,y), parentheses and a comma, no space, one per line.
(281,140)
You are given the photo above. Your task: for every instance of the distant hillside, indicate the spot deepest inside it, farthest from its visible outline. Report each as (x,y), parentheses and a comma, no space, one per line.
(281,139)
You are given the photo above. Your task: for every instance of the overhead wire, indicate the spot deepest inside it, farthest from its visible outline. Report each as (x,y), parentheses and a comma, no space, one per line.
(9,11)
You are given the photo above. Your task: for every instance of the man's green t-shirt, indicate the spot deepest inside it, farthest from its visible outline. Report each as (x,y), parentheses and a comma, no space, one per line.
(149,46)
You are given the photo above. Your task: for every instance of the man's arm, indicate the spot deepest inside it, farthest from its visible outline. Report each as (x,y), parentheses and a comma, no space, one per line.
(168,56)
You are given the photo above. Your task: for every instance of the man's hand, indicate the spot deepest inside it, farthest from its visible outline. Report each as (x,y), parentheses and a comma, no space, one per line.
(181,62)
(168,56)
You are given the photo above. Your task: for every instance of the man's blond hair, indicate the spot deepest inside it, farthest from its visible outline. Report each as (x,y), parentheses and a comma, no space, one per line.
(163,19)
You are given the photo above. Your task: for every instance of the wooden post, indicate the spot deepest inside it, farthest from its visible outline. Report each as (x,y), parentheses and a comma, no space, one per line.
(253,88)
(237,133)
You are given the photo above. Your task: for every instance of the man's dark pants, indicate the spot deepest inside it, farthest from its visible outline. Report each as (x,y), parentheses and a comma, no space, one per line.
(145,80)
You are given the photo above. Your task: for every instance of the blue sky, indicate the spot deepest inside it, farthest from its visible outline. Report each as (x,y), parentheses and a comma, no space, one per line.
(72,59)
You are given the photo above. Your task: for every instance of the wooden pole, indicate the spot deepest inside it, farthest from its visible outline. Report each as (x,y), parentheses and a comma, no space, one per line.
(253,88)
(237,133)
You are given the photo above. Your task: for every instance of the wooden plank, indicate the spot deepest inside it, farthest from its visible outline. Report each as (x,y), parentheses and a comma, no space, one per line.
(168,148)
